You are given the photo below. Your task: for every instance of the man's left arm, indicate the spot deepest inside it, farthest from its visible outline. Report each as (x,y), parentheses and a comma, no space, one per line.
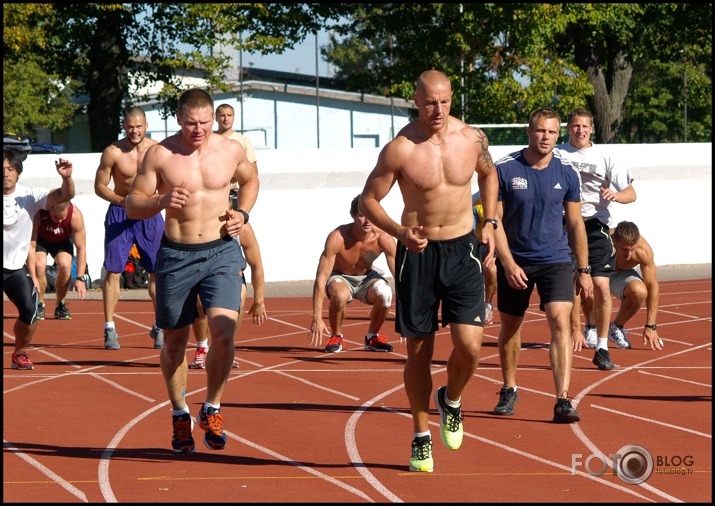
(650,278)
(79,236)
(579,246)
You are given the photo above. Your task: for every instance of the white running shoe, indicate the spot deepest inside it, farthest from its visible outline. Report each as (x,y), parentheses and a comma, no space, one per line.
(618,336)
(591,336)
(489,319)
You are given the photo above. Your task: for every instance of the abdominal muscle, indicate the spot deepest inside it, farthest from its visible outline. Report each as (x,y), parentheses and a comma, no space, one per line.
(198,221)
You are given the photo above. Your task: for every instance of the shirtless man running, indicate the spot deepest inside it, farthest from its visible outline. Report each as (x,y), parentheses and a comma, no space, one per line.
(189,175)
(120,162)
(433,160)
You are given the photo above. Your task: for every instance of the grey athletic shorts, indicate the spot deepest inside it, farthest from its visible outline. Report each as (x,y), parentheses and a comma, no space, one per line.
(359,285)
(620,279)
(184,272)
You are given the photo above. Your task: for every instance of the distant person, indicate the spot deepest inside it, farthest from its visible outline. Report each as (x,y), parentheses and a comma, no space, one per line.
(20,204)
(433,160)
(632,288)
(602,181)
(346,272)
(188,175)
(120,162)
(252,253)
(57,232)
(538,193)
(490,269)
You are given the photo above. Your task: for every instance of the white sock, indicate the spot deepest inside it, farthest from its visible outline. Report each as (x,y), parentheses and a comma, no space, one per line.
(203,344)
(602,343)
(208,405)
(423,434)
(108,325)
(370,335)
(179,412)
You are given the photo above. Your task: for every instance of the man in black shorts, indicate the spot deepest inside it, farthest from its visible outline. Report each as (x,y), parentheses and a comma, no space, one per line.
(537,191)
(57,232)
(20,204)
(434,159)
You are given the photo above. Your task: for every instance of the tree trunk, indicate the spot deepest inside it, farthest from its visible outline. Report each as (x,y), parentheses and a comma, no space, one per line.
(610,89)
(107,55)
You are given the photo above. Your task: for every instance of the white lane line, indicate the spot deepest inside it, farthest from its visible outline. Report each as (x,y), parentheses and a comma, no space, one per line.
(677,379)
(650,420)
(46,471)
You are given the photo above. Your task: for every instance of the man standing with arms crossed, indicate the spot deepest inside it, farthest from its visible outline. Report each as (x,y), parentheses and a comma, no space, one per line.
(188,175)
(120,162)
(433,160)
(600,176)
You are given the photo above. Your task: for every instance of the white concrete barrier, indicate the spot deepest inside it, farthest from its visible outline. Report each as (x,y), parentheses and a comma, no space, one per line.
(307,193)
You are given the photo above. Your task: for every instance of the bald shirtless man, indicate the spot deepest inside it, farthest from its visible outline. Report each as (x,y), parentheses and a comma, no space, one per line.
(632,288)
(120,162)
(345,272)
(189,175)
(433,159)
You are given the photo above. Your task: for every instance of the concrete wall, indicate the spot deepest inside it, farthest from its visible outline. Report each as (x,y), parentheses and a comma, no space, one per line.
(307,193)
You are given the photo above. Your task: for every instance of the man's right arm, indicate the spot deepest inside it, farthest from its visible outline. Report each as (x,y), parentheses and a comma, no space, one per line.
(143,201)
(104,176)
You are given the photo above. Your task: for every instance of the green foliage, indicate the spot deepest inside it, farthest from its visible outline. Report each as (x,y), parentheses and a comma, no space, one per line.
(33,99)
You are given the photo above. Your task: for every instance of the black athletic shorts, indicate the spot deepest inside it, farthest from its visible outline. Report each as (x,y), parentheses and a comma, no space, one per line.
(601,252)
(449,272)
(554,282)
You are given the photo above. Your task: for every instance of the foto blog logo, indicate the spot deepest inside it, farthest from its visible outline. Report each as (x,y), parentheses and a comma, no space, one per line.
(633,464)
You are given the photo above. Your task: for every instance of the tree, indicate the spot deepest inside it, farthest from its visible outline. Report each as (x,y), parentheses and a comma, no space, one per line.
(109,50)
(507,59)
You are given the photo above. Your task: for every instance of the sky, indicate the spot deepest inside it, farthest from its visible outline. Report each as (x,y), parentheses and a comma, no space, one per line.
(300,60)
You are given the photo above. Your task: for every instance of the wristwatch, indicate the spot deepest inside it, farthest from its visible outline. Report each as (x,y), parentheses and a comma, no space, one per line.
(82,278)
(245,216)
(585,270)
(652,327)
(494,222)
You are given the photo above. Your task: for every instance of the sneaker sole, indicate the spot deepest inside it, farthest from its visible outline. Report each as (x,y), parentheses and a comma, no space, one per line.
(422,469)
(112,347)
(372,348)
(192,366)
(334,351)
(20,368)
(567,419)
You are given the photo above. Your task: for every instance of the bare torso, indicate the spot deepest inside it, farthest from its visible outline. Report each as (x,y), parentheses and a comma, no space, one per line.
(206,173)
(124,159)
(435,181)
(355,255)
(641,255)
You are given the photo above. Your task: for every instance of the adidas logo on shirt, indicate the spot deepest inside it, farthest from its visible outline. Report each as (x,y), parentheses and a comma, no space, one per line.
(558,186)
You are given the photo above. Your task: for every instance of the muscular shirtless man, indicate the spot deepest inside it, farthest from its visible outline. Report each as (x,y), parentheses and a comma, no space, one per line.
(433,159)
(120,162)
(189,175)
(345,272)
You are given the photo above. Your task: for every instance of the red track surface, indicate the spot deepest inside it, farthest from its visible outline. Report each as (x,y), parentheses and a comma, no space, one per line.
(94,425)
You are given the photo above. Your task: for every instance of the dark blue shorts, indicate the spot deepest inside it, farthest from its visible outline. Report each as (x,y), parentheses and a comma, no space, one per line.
(184,272)
(449,272)
(121,233)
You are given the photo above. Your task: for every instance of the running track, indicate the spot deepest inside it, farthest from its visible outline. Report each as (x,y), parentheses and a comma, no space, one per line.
(93,425)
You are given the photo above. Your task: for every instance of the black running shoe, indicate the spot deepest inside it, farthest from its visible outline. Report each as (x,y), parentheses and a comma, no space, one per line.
(62,312)
(182,441)
(564,412)
(508,397)
(602,360)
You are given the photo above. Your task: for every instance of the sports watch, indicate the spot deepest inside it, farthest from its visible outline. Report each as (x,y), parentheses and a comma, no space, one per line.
(585,270)
(652,327)
(494,222)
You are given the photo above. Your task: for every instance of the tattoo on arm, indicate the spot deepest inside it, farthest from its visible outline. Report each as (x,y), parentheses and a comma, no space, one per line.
(485,158)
